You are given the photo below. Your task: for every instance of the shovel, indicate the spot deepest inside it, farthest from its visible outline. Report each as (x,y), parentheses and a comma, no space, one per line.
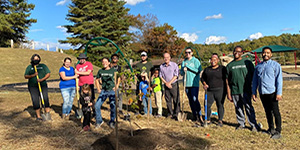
(46,115)
(181,115)
(205,105)
(78,111)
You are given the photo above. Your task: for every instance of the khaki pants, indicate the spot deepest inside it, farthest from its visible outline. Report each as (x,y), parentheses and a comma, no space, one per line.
(158,103)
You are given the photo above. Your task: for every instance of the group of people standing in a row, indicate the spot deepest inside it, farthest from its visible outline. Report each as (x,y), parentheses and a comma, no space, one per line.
(239,80)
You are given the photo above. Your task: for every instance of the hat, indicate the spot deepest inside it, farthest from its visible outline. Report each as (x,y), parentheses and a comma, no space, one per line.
(143,54)
(82,56)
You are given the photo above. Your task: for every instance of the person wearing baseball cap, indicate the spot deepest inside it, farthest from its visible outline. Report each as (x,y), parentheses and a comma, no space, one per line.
(144,66)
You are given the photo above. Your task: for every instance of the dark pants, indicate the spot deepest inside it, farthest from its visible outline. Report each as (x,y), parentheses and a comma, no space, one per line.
(86,118)
(271,108)
(218,95)
(35,96)
(172,98)
(192,94)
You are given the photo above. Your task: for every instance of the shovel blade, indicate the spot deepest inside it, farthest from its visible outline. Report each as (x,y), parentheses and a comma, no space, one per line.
(78,113)
(181,116)
(46,116)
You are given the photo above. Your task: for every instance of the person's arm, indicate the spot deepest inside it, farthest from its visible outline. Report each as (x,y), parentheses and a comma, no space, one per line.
(196,69)
(140,91)
(278,82)
(204,79)
(30,76)
(228,91)
(254,85)
(64,77)
(97,81)
(45,78)
(86,73)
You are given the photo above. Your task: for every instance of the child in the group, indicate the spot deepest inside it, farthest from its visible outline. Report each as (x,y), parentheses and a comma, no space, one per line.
(156,86)
(85,101)
(144,87)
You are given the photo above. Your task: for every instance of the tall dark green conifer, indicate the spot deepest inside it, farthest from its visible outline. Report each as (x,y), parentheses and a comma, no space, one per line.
(14,20)
(97,18)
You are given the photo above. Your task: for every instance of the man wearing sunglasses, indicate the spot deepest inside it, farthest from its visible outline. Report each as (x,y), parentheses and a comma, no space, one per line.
(192,67)
(238,80)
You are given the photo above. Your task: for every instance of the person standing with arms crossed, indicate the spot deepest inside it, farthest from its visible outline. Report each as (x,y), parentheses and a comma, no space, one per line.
(85,71)
(192,67)
(268,79)
(169,73)
(238,79)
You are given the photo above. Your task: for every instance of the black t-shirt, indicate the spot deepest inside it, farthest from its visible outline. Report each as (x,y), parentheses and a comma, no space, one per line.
(214,78)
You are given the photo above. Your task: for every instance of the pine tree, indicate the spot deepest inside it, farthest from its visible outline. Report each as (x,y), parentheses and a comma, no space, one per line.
(14,20)
(97,18)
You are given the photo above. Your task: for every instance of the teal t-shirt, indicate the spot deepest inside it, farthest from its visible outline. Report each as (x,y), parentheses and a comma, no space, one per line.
(157,81)
(193,72)
(239,75)
(107,78)
(42,70)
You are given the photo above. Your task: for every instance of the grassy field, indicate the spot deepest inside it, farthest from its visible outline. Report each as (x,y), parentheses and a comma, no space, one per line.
(19,130)
(15,62)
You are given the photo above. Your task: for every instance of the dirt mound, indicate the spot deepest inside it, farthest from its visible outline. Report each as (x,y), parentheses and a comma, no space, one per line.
(144,139)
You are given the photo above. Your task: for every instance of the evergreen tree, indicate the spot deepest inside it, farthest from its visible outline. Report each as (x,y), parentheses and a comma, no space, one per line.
(14,20)
(97,18)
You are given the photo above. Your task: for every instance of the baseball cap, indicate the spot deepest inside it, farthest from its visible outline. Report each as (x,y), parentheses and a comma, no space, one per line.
(143,54)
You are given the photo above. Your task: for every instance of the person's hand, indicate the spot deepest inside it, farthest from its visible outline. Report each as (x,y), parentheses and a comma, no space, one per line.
(35,74)
(39,80)
(140,98)
(278,97)
(229,97)
(254,97)
(169,85)
(99,91)
(205,87)
(90,104)
(77,72)
(185,69)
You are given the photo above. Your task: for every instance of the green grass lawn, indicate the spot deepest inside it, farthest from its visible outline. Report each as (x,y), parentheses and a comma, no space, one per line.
(15,61)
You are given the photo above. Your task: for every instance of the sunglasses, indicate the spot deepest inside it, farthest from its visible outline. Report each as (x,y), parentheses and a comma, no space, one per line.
(188,52)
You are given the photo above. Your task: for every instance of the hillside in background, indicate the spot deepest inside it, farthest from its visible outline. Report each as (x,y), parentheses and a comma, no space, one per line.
(15,61)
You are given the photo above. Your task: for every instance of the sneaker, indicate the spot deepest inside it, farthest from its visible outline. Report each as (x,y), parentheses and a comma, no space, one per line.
(86,128)
(158,116)
(220,124)
(98,126)
(271,131)
(239,127)
(112,125)
(39,119)
(276,135)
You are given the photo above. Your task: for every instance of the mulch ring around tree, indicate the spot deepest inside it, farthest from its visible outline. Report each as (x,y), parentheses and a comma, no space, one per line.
(142,139)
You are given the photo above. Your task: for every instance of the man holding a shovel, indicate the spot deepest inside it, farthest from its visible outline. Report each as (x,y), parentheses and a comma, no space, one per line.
(37,74)
(169,73)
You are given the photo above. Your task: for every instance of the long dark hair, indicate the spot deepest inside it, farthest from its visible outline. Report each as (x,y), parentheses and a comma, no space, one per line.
(32,58)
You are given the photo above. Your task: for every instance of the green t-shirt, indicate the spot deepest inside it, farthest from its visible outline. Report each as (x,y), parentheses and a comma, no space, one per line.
(157,81)
(144,67)
(239,75)
(42,70)
(107,78)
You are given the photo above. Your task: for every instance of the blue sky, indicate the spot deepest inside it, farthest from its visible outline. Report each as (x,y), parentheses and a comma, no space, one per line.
(198,21)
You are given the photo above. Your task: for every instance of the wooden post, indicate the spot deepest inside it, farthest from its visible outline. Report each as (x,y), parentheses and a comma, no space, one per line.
(11,43)
(61,51)
(56,49)
(295,60)
(47,47)
(116,103)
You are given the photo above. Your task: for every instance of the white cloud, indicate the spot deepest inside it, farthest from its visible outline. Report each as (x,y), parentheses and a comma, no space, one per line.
(132,29)
(133,2)
(36,30)
(255,36)
(189,37)
(52,45)
(62,2)
(218,16)
(215,39)
(287,29)
(63,29)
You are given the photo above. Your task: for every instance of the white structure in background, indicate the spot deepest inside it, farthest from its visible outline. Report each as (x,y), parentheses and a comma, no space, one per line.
(61,51)
(11,43)
(130,61)
(48,47)
(56,49)
(32,45)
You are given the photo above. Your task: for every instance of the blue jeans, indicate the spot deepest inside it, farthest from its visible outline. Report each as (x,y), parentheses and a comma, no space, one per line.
(145,103)
(112,102)
(192,94)
(68,95)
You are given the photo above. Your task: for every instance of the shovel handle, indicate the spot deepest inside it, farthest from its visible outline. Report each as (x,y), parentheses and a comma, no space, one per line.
(39,85)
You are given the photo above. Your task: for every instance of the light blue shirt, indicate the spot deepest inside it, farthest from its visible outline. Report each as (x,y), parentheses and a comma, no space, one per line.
(268,78)
(193,71)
